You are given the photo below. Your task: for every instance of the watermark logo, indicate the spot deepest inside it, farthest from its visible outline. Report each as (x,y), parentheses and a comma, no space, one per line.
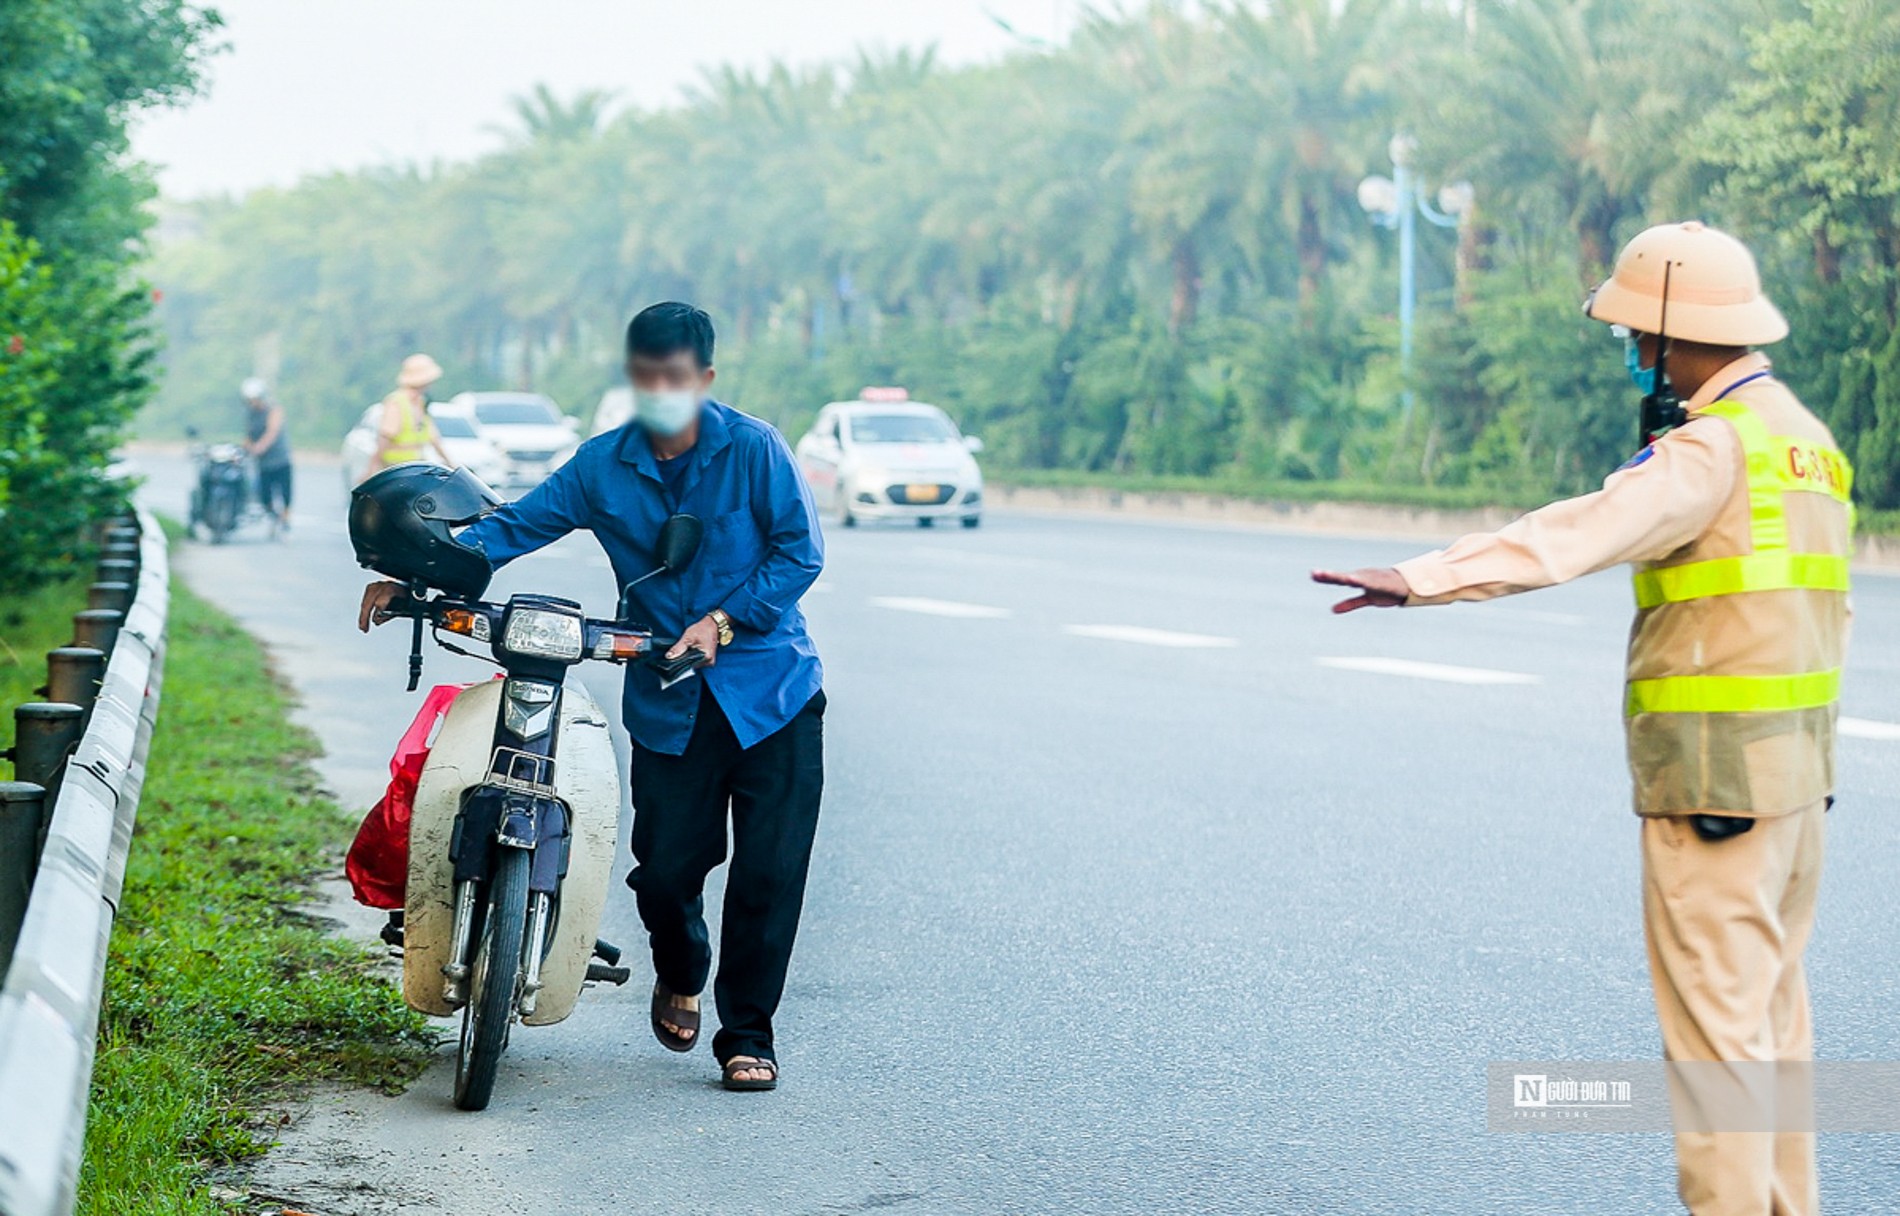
(1694,1096)
(1536,1091)
(1576,1096)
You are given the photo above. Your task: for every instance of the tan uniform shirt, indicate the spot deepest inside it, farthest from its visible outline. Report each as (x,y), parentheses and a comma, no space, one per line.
(1643,513)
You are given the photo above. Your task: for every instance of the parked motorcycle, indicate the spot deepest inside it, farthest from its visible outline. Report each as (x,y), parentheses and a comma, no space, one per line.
(517,810)
(221,491)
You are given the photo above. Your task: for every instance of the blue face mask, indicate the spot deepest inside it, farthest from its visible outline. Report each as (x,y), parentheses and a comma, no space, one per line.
(667,412)
(1644,378)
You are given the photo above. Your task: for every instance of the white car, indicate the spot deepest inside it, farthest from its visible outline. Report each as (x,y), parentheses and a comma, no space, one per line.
(885,456)
(615,410)
(534,436)
(461,439)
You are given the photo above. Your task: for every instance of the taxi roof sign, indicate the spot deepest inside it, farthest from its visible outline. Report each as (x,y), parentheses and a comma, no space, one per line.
(887,393)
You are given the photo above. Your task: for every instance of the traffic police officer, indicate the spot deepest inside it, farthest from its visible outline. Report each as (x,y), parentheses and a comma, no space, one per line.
(1738,522)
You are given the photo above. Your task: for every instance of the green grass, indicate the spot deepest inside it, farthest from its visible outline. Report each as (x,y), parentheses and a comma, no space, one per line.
(30,625)
(1868,522)
(220,994)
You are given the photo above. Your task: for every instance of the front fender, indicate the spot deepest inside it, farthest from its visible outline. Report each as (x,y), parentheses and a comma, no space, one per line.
(587,780)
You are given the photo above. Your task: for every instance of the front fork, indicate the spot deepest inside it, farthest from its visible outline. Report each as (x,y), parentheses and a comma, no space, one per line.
(455,972)
(539,906)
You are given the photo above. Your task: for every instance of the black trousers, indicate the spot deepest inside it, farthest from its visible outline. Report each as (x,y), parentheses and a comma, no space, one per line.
(679,834)
(273,488)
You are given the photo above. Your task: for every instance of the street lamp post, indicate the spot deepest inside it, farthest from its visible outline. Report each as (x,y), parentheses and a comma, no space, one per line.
(1397,202)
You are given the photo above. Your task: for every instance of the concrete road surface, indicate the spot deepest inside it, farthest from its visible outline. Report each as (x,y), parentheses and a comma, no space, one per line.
(1143,885)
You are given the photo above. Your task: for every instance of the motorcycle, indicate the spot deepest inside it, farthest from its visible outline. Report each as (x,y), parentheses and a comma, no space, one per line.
(516,815)
(222,489)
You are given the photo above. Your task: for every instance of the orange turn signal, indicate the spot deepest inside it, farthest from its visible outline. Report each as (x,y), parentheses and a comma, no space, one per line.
(458,620)
(619,647)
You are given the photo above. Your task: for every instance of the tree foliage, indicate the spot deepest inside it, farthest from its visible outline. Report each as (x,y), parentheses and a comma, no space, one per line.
(1138,253)
(75,353)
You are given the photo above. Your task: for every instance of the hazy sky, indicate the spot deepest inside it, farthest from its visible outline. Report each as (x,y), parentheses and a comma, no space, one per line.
(311,85)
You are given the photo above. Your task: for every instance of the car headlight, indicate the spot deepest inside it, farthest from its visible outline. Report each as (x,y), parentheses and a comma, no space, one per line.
(543,634)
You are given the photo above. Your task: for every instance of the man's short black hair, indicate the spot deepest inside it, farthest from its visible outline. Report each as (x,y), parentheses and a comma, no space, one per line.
(666,329)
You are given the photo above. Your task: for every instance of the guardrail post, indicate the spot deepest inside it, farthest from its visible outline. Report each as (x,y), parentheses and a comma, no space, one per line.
(98,628)
(121,550)
(122,533)
(44,734)
(110,595)
(22,806)
(73,675)
(118,570)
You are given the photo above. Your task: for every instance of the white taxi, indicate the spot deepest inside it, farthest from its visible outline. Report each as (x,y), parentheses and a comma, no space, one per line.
(885,456)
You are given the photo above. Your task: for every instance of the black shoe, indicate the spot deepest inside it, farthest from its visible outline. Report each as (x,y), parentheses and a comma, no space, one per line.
(392,932)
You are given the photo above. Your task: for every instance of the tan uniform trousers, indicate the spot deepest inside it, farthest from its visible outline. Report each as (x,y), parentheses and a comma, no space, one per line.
(1727,922)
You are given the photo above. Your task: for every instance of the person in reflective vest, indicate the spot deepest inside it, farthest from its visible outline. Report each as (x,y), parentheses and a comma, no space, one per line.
(405,431)
(1736,516)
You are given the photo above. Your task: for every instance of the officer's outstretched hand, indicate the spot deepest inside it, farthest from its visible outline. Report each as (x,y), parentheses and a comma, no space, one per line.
(1383,587)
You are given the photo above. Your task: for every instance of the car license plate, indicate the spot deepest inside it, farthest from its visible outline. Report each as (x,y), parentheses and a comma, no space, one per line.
(920,493)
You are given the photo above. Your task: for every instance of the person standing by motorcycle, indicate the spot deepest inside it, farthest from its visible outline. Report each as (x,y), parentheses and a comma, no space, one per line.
(405,431)
(1736,514)
(743,737)
(268,444)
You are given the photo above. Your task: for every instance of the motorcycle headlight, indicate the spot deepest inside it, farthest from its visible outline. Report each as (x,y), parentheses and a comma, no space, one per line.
(543,634)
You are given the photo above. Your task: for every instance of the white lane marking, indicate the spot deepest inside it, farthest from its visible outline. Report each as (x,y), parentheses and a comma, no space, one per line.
(1150,637)
(1868,728)
(1429,671)
(930,607)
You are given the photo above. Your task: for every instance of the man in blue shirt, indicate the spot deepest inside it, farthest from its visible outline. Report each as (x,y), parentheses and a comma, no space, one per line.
(745,735)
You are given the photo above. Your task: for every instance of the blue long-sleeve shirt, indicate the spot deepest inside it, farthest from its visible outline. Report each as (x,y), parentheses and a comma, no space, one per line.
(762,550)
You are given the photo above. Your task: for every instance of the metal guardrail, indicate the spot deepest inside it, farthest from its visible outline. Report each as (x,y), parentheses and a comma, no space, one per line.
(49,1005)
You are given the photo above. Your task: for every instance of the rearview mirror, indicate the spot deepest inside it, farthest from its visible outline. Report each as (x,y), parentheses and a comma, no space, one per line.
(677,544)
(679,541)
(972,444)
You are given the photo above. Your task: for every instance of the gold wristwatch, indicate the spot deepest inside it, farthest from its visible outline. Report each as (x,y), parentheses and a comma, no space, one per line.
(723,623)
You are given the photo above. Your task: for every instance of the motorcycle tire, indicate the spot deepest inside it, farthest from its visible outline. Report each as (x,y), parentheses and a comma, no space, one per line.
(494,979)
(224,518)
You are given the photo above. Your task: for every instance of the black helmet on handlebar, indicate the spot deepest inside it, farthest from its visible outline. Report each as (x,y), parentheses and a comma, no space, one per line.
(401,523)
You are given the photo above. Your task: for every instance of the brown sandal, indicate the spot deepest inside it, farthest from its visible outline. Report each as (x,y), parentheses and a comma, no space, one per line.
(685,1019)
(739,1064)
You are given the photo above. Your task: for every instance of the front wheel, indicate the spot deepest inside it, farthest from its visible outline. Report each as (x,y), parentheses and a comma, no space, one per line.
(495,976)
(845,517)
(972,521)
(223,515)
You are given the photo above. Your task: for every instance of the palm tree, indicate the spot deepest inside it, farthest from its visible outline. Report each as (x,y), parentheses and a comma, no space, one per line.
(1303,78)
(1579,109)
(543,118)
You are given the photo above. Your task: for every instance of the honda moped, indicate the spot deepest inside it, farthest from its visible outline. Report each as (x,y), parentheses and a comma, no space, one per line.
(516,814)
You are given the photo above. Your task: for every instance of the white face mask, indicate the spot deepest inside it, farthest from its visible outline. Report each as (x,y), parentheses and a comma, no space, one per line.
(667,412)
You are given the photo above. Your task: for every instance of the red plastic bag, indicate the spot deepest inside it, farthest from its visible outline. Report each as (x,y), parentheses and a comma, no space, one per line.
(378,862)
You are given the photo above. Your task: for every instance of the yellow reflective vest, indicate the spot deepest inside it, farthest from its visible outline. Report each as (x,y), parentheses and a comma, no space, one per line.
(414,428)
(1735,657)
